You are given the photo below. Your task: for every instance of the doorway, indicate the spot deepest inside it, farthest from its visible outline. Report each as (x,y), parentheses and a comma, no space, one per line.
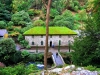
(50,43)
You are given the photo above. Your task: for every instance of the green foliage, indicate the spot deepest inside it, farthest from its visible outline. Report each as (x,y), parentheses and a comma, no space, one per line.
(40,57)
(36,12)
(86,47)
(20,37)
(32,57)
(60,66)
(22,41)
(24,53)
(10,23)
(19,69)
(5,10)
(90,67)
(66,19)
(53,13)
(39,23)
(76,8)
(28,46)
(83,15)
(35,57)
(77,17)
(59,5)
(74,5)
(15,58)
(31,12)
(19,5)
(26,28)
(21,18)
(3,25)
(83,52)
(7,47)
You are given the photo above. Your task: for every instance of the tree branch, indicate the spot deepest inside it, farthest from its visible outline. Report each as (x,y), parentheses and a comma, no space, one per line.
(44,3)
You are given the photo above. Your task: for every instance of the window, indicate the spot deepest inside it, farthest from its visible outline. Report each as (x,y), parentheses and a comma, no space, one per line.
(32,36)
(50,36)
(41,36)
(32,43)
(68,36)
(41,42)
(59,36)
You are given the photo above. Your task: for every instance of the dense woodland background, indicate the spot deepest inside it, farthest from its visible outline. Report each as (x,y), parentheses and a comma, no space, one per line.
(17,16)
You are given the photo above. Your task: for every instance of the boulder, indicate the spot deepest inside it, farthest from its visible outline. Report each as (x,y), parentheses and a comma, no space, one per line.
(2,64)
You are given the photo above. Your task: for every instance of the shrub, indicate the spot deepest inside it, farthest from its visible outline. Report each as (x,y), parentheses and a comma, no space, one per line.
(83,51)
(53,13)
(22,23)
(22,41)
(59,5)
(36,12)
(2,24)
(90,67)
(15,58)
(21,18)
(31,12)
(35,57)
(76,8)
(66,19)
(10,23)
(28,46)
(25,53)
(26,28)
(19,69)
(83,15)
(77,17)
(39,23)
(32,57)
(7,47)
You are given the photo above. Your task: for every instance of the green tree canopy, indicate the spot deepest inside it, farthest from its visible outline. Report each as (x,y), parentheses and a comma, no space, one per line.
(7,47)
(87,46)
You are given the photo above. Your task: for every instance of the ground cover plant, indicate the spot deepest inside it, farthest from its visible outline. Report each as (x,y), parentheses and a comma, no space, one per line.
(19,69)
(18,16)
(52,30)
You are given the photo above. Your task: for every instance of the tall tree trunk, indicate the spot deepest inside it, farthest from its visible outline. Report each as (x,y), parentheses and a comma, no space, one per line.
(47,33)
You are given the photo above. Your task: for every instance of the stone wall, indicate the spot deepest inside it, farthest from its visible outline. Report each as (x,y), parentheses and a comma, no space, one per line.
(53,40)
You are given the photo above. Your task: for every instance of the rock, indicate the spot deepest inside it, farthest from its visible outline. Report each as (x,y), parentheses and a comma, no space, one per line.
(71,67)
(84,72)
(80,68)
(57,70)
(2,64)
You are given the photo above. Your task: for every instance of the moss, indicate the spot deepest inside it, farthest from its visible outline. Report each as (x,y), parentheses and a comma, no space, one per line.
(52,30)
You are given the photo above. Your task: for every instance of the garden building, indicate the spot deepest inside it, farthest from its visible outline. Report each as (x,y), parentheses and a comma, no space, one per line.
(57,36)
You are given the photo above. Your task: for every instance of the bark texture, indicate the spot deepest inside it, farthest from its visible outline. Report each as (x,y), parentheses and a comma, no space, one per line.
(47,31)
